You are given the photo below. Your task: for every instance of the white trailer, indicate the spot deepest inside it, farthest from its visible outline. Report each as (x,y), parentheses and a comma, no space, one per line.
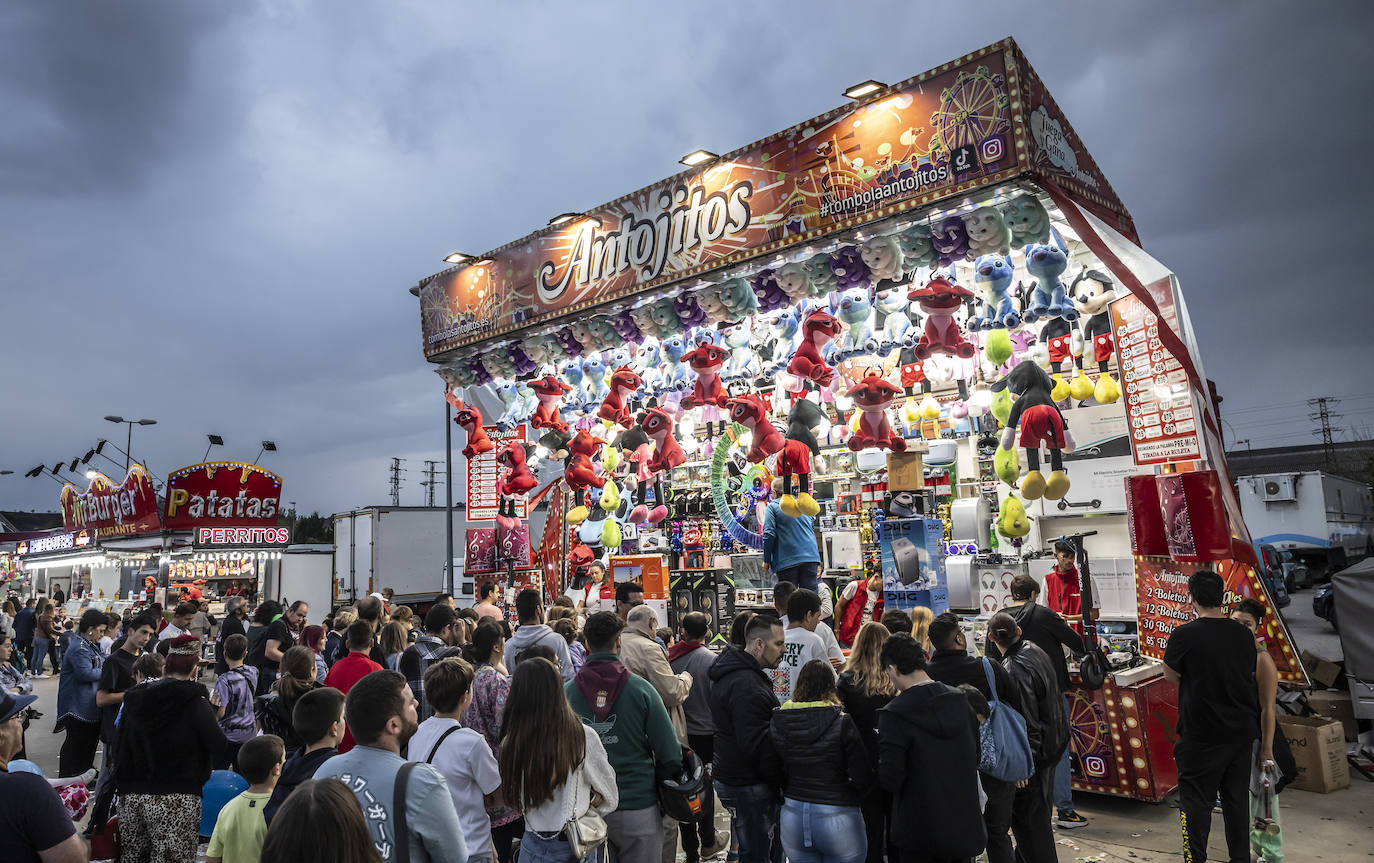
(306,572)
(1327,521)
(402,547)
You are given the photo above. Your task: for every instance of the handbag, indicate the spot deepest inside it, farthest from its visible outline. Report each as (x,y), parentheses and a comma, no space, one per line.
(1005,745)
(586,832)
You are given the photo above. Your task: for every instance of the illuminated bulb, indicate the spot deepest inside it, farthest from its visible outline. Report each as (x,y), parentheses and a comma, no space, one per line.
(746,440)
(689,445)
(843,402)
(686,428)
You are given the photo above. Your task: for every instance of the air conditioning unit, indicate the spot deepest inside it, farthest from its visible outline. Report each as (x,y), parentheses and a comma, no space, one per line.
(1277,488)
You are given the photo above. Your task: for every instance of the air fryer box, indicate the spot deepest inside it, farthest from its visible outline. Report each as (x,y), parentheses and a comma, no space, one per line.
(1318,746)
(904,504)
(914,564)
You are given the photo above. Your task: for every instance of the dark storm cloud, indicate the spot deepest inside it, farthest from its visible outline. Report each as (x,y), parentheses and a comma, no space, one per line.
(212,210)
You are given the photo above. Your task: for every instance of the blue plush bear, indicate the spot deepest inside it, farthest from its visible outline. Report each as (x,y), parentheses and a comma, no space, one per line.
(1047,262)
(992,275)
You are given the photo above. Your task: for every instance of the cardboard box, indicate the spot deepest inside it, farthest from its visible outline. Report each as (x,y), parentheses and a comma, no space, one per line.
(1336,705)
(1322,670)
(905,471)
(1318,746)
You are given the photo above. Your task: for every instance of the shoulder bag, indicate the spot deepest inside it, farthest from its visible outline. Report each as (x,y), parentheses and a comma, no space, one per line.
(585,831)
(398,811)
(1006,750)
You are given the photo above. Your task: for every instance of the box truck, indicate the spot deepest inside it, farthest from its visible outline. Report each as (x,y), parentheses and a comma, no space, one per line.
(1325,521)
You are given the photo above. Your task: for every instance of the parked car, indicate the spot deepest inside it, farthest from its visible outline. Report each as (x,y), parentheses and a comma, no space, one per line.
(1324,603)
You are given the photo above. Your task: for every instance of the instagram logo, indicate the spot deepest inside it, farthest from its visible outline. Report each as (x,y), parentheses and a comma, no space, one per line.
(992,149)
(1093,765)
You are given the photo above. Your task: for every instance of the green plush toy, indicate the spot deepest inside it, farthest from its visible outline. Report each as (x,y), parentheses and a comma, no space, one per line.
(1007,464)
(1001,405)
(1012,521)
(997,346)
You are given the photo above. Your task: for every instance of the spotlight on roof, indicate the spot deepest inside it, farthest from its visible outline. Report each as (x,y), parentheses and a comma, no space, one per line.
(867,88)
(215,439)
(698,157)
(457,258)
(269,446)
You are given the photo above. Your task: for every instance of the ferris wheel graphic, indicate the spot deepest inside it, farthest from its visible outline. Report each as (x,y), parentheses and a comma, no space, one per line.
(737,493)
(1088,730)
(972,109)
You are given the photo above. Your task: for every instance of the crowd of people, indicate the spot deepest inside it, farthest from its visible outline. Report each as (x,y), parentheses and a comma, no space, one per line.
(462,738)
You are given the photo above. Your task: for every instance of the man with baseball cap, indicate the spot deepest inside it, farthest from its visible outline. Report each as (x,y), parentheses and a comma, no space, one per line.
(34,825)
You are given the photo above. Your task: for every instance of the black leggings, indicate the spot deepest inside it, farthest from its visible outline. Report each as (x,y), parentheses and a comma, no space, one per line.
(78,750)
(503,837)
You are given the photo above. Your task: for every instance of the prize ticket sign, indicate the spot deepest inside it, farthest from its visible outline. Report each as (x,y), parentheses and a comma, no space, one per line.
(483,472)
(1159,400)
(1163,605)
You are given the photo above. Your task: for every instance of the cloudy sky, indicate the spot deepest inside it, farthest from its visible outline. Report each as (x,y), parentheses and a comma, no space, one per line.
(211,212)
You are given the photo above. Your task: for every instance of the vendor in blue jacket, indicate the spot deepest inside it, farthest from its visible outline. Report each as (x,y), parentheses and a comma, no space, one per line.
(789,547)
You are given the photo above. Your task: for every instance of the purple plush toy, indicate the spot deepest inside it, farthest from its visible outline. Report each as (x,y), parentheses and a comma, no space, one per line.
(850,269)
(688,311)
(626,327)
(569,342)
(523,364)
(769,292)
(480,375)
(951,241)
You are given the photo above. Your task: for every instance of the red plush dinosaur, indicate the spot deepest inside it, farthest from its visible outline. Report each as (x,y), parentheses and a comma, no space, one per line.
(872,396)
(516,480)
(624,384)
(658,425)
(749,411)
(706,360)
(580,473)
(819,328)
(470,419)
(550,391)
(940,299)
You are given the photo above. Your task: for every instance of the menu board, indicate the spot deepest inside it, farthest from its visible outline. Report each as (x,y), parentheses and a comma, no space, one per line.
(1159,401)
(483,471)
(1163,605)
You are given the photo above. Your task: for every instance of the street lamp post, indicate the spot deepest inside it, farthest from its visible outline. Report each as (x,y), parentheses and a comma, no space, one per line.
(129,442)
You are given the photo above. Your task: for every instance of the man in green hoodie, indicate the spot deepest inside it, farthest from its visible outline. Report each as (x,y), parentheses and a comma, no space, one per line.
(629,717)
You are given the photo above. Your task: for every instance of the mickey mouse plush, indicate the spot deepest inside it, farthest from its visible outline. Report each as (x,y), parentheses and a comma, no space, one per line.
(1036,421)
(1092,293)
(806,416)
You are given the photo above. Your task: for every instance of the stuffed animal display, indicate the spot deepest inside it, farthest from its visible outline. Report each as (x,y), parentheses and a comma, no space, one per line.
(873,396)
(1035,421)
(795,461)
(819,328)
(469,418)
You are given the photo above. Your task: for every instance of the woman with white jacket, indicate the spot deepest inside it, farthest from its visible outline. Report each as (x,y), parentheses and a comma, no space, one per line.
(552,766)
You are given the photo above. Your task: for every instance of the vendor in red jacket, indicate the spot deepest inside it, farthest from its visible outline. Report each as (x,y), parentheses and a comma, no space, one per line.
(1063,590)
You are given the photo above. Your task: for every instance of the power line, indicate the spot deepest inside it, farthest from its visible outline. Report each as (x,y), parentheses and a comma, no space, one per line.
(431,482)
(1324,415)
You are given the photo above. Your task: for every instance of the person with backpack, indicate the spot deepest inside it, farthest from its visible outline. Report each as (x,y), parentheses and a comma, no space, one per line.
(232,699)
(952,665)
(274,710)
(318,718)
(826,771)
(460,754)
(928,758)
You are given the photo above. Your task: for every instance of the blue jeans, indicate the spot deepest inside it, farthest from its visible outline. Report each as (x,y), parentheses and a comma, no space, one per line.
(536,849)
(802,575)
(822,833)
(753,820)
(40,650)
(1063,774)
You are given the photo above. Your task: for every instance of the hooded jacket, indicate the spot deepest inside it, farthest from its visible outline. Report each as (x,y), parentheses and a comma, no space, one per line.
(742,705)
(168,738)
(530,634)
(1042,701)
(1050,633)
(928,759)
(823,759)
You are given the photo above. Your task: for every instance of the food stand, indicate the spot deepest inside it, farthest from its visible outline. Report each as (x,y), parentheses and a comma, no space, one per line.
(858,306)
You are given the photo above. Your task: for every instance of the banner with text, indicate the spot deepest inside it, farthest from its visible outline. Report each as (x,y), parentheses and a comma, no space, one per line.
(222,493)
(1159,401)
(483,472)
(112,510)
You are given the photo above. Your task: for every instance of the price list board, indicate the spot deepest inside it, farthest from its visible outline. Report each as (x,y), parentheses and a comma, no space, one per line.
(1159,401)
(483,471)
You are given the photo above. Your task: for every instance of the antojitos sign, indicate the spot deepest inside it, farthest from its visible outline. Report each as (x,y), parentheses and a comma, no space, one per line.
(112,510)
(222,493)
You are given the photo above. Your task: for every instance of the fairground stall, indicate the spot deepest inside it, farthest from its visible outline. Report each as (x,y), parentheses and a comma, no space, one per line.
(927,315)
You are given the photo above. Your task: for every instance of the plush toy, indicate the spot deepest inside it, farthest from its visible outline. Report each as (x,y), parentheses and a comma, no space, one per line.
(712,306)
(768,291)
(951,241)
(1047,262)
(706,361)
(469,418)
(849,269)
(456,375)
(917,248)
(893,304)
(603,332)
(873,395)
(992,275)
(594,386)
(479,372)
(549,390)
(1012,521)
(750,412)
(571,346)
(674,371)
(518,403)
(618,356)
(819,328)
(744,361)
(638,449)
(792,278)
(737,295)
(614,407)
(664,315)
(582,331)
(536,348)
(580,473)
(805,417)
(1092,294)
(657,424)
(688,311)
(854,307)
(783,331)
(497,365)
(940,299)
(644,320)
(820,275)
(883,257)
(571,371)
(997,347)
(515,481)
(988,233)
(1035,421)
(626,327)
(649,365)
(1027,219)
(521,360)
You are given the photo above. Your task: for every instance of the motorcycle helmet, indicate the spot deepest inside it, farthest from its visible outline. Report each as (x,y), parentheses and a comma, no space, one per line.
(682,794)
